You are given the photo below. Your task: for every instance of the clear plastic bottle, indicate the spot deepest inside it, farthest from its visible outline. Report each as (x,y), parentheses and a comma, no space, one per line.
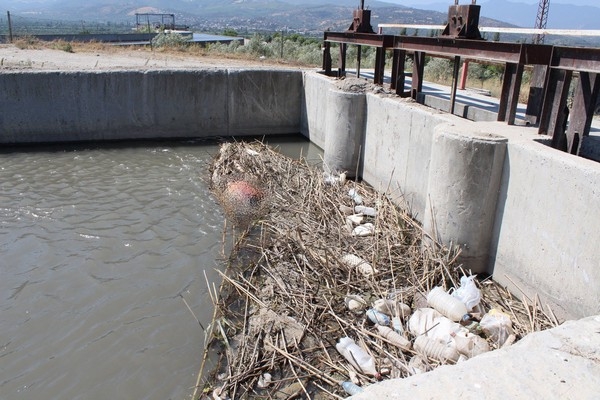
(359,358)
(351,388)
(397,325)
(449,306)
(377,317)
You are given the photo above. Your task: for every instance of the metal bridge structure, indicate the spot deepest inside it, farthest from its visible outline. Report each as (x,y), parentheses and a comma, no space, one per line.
(461,40)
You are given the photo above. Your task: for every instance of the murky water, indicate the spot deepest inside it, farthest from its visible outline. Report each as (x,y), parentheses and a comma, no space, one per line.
(98,248)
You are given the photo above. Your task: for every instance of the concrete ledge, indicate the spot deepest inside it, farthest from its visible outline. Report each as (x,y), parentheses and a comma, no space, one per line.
(560,363)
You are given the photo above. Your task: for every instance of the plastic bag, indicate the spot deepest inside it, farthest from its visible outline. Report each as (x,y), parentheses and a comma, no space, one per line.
(468,292)
(497,326)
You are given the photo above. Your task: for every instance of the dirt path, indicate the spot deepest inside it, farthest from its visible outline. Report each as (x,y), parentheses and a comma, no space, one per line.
(117,58)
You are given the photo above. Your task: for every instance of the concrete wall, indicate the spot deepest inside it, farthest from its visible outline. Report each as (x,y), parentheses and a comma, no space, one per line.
(546,234)
(528,213)
(532,212)
(314,107)
(73,106)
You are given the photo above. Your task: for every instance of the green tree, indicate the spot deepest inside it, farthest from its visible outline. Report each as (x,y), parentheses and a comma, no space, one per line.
(229,32)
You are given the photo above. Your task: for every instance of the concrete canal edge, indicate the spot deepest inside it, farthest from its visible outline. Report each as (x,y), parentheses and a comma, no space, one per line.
(522,211)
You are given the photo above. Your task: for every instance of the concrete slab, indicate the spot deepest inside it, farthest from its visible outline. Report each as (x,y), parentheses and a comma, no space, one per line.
(560,363)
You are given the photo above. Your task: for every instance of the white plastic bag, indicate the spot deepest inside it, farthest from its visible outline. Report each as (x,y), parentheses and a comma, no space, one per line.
(497,326)
(468,292)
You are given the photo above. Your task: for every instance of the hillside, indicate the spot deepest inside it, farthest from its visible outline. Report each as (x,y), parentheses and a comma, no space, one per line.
(310,16)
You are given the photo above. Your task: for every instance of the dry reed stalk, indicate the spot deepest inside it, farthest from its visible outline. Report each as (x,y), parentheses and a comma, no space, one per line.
(293,290)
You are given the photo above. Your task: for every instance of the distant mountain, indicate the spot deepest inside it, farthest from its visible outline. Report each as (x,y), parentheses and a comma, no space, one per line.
(299,15)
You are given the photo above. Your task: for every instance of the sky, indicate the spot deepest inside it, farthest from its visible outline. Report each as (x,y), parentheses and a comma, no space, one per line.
(424,2)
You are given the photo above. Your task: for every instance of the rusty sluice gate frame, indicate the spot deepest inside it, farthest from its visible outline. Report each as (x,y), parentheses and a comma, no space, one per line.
(461,40)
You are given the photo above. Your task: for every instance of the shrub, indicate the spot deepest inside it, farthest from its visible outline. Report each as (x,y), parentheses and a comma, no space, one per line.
(170,40)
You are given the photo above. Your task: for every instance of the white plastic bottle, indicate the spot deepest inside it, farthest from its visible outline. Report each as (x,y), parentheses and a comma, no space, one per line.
(394,337)
(359,358)
(435,349)
(446,304)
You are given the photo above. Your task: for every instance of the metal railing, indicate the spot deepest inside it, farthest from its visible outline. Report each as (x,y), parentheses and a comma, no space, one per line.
(554,69)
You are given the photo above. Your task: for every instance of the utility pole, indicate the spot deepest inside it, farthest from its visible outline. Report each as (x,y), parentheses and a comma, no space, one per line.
(538,77)
(541,20)
(10,36)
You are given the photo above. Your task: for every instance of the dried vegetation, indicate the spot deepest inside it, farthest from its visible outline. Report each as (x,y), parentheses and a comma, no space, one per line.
(280,309)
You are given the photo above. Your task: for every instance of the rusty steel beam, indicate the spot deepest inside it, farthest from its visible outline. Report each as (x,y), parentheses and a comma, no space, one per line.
(417,74)
(367,39)
(327,58)
(342,59)
(584,102)
(475,49)
(554,116)
(576,59)
(379,66)
(398,76)
(509,98)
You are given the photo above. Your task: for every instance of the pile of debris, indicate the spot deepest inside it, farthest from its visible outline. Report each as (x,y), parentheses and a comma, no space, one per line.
(330,287)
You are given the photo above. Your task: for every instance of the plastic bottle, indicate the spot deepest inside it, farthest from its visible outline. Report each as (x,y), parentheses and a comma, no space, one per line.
(393,337)
(351,388)
(362,265)
(447,305)
(356,356)
(436,350)
(470,345)
(377,317)
(355,196)
(364,210)
(355,303)
(397,325)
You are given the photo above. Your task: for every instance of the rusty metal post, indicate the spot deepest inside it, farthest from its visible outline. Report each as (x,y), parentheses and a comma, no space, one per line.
(463,75)
(379,65)
(454,83)
(553,118)
(584,102)
(536,94)
(358,55)
(417,74)
(327,58)
(509,98)
(398,75)
(342,59)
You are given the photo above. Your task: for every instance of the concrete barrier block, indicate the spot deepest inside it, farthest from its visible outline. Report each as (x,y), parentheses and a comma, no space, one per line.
(463,185)
(345,127)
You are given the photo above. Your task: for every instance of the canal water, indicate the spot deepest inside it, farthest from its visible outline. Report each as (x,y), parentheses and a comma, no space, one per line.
(99,247)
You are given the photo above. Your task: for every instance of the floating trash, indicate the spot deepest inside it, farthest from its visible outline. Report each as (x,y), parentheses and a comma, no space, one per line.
(394,338)
(355,303)
(446,304)
(369,211)
(357,356)
(378,318)
(355,196)
(436,350)
(364,230)
(360,264)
